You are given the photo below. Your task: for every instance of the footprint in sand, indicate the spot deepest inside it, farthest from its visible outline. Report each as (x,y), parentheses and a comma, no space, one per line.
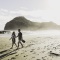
(17,55)
(32,50)
(38,59)
(25,55)
(13,58)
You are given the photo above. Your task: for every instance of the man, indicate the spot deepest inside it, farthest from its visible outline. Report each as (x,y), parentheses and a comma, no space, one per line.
(19,38)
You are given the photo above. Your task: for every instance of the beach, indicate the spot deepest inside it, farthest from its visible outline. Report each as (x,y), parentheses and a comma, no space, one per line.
(38,46)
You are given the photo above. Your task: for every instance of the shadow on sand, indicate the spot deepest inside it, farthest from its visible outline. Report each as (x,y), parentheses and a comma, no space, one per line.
(7,52)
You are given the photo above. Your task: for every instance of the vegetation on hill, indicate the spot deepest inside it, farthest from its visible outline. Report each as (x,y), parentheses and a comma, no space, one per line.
(25,24)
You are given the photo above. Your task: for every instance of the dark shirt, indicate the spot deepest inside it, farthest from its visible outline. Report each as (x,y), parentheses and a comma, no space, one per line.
(19,35)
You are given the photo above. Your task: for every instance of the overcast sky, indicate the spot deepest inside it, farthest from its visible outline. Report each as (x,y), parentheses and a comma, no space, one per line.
(35,10)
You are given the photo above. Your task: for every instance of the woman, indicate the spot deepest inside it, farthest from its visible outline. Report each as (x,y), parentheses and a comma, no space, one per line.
(13,37)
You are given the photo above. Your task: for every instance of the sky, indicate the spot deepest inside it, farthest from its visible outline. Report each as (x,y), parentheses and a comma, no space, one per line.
(34,10)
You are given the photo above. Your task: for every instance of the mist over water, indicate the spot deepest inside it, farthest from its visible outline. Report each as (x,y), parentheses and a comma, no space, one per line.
(35,33)
(43,33)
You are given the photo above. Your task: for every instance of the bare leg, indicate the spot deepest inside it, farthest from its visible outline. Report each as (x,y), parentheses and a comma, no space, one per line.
(15,44)
(12,45)
(18,44)
(21,44)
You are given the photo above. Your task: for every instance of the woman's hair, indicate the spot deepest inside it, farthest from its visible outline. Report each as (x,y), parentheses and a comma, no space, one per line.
(13,33)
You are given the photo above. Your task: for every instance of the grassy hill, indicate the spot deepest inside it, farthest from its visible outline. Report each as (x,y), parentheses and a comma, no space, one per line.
(25,24)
